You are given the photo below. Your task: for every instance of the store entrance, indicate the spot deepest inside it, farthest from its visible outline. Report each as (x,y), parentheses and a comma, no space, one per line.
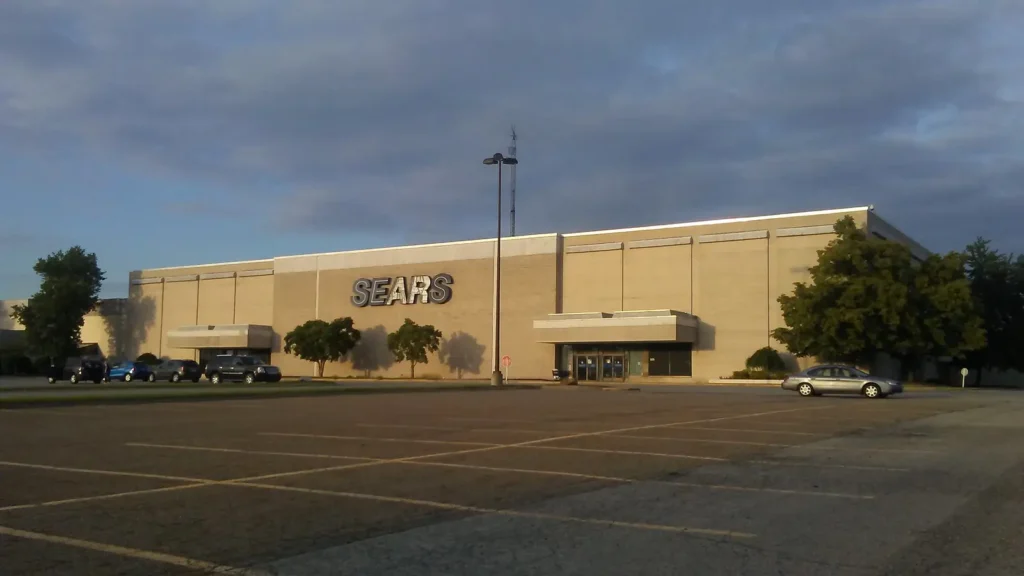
(613,367)
(586,367)
(600,367)
(628,361)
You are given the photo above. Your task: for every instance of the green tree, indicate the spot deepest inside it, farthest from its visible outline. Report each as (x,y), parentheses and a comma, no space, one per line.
(411,342)
(867,296)
(148,358)
(320,341)
(997,286)
(53,316)
(943,317)
(766,359)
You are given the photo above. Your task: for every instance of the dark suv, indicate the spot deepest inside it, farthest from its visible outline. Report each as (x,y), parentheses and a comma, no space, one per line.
(247,369)
(78,370)
(178,370)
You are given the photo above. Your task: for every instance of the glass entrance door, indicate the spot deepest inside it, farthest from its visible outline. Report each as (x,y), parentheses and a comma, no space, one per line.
(586,367)
(613,367)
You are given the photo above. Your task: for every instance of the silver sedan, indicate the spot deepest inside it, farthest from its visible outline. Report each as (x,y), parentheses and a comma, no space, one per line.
(839,379)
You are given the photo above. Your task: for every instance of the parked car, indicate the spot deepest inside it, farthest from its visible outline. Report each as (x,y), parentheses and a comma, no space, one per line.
(130,371)
(77,370)
(840,379)
(178,370)
(247,369)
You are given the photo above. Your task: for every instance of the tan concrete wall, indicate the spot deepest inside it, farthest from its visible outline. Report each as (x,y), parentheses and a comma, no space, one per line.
(733,285)
(657,278)
(181,301)
(216,301)
(528,292)
(145,319)
(294,304)
(6,308)
(592,281)
(254,300)
(731,300)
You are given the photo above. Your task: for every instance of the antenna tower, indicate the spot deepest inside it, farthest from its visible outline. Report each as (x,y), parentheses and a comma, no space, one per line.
(512,211)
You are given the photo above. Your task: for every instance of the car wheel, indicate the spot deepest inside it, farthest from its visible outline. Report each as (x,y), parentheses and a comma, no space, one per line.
(195,380)
(128,377)
(215,378)
(51,379)
(74,378)
(97,381)
(872,391)
(805,390)
(175,378)
(151,377)
(249,378)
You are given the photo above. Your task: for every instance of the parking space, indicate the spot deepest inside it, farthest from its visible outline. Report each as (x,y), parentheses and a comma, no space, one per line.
(238,485)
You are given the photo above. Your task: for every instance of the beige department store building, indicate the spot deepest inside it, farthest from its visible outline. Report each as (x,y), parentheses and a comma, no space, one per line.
(669,302)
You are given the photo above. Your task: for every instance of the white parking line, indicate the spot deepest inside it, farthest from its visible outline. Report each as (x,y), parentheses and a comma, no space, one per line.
(429,463)
(373,439)
(748,430)
(179,561)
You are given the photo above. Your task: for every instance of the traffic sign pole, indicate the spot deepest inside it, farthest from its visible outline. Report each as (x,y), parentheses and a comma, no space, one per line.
(506,361)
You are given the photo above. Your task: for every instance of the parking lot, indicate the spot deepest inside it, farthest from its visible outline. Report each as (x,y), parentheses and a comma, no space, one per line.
(662,481)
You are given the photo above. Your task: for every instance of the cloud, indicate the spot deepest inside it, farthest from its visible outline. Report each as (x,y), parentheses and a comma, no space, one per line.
(374,116)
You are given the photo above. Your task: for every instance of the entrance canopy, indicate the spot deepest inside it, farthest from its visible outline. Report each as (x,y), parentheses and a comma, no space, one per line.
(221,336)
(622,326)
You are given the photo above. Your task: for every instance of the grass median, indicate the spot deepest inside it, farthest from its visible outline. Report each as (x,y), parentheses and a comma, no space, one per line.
(37,398)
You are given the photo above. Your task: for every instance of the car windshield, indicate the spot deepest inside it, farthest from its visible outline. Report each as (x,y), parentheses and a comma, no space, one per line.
(249,361)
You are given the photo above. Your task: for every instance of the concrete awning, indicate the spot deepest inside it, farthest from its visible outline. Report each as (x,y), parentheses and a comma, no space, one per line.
(622,326)
(221,336)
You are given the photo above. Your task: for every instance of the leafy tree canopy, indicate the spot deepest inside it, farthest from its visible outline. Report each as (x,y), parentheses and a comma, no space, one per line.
(997,285)
(766,359)
(867,296)
(320,341)
(411,342)
(53,316)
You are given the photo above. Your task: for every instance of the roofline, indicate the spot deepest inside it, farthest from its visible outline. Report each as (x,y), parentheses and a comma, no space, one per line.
(724,221)
(235,263)
(868,208)
(406,247)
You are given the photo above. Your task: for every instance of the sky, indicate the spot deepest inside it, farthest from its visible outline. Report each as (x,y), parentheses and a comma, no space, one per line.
(164,133)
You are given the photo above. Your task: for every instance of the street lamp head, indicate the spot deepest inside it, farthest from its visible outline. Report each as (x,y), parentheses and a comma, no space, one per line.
(496,159)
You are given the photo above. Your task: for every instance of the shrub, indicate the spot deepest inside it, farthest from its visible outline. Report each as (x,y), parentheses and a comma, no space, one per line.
(148,358)
(766,359)
(759,374)
(431,376)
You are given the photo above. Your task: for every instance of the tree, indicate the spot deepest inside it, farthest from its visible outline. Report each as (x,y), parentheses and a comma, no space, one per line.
(53,316)
(766,359)
(320,341)
(944,313)
(867,296)
(412,342)
(148,358)
(997,287)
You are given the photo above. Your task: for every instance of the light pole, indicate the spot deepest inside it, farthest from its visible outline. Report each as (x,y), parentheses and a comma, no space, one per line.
(496,341)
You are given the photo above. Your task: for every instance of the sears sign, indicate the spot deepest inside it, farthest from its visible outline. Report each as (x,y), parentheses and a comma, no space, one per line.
(387,291)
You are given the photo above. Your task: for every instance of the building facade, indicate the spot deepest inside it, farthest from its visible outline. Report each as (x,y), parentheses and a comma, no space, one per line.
(105,329)
(672,302)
